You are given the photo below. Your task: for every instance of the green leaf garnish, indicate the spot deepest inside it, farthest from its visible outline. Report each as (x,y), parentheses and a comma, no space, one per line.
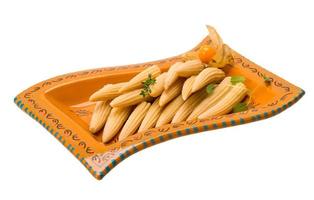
(237,79)
(146,85)
(143,93)
(267,80)
(240,107)
(210,88)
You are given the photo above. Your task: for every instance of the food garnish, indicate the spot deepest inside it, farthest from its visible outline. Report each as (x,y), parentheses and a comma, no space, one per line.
(240,107)
(210,88)
(146,85)
(206,53)
(237,79)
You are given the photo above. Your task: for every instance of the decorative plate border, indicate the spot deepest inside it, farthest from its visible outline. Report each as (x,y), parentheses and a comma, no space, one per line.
(28,110)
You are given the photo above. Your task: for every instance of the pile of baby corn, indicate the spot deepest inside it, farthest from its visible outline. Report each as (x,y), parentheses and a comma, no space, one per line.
(175,96)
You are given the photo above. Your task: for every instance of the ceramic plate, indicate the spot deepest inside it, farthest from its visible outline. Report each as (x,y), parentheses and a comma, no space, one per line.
(61,106)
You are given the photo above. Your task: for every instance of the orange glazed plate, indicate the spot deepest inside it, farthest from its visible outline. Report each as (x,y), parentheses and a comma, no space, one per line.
(61,106)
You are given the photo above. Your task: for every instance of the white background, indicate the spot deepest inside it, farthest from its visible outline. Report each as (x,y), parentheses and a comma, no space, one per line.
(269,159)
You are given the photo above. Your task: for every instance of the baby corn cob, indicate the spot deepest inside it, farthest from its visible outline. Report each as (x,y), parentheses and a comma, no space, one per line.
(188,106)
(151,116)
(115,121)
(136,81)
(99,117)
(189,68)
(208,75)
(171,93)
(172,75)
(170,110)
(128,99)
(134,120)
(225,105)
(219,92)
(187,87)
(109,91)
(158,87)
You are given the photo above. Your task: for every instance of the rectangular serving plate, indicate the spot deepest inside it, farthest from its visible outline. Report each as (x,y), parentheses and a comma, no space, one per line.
(61,106)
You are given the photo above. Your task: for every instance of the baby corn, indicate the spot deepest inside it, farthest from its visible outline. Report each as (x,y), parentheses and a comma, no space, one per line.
(109,91)
(158,87)
(172,75)
(115,121)
(207,76)
(171,92)
(190,68)
(151,116)
(136,81)
(128,99)
(225,105)
(219,92)
(188,106)
(187,87)
(134,121)
(99,117)
(170,110)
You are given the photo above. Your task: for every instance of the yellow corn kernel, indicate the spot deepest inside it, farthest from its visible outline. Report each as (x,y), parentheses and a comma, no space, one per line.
(190,68)
(134,120)
(136,81)
(188,106)
(207,76)
(187,87)
(151,116)
(158,87)
(116,119)
(172,75)
(99,117)
(225,105)
(219,92)
(128,99)
(171,93)
(170,110)
(109,91)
